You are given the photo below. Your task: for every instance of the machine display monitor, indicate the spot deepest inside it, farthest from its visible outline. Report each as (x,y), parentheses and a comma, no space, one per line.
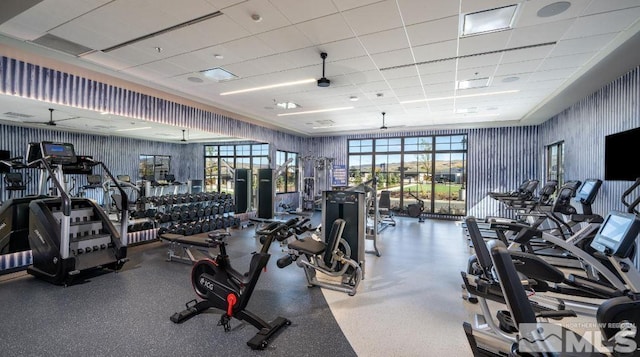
(170,177)
(93,179)
(59,153)
(82,166)
(4,155)
(588,191)
(617,234)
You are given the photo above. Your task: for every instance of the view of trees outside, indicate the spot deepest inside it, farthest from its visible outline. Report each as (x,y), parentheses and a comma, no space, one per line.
(431,169)
(217,174)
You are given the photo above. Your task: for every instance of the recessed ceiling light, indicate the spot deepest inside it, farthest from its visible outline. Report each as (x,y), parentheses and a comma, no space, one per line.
(474,83)
(217,56)
(195,79)
(218,74)
(510,79)
(353,98)
(278,85)
(488,20)
(554,9)
(158,49)
(379,95)
(315,111)
(256,17)
(460,96)
(287,105)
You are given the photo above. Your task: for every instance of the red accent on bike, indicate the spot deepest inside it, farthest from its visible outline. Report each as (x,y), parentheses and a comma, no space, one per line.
(232,299)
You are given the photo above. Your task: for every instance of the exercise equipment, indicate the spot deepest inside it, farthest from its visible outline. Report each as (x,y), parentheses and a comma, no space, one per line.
(191,249)
(242,190)
(331,258)
(416,210)
(350,207)
(222,287)
(70,235)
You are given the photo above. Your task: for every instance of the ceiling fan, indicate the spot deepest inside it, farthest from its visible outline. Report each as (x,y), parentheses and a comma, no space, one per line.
(385,127)
(51,122)
(323,82)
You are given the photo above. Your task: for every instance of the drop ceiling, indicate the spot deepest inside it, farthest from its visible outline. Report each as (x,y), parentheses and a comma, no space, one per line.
(402,57)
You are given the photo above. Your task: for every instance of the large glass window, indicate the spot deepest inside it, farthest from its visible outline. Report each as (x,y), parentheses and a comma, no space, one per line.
(287,181)
(431,169)
(221,160)
(555,162)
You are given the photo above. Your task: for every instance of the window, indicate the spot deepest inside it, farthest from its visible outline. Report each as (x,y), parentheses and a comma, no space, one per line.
(431,169)
(287,180)
(555,162)
(221,160)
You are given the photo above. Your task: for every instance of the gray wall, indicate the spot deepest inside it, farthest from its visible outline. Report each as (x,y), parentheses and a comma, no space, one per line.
(583,127)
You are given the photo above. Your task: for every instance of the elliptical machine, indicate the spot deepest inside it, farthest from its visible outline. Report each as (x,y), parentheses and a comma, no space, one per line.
(222,287)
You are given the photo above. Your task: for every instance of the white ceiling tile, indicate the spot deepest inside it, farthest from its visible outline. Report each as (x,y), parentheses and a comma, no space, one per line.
(479,61)
(581,45)
(285,39)
(484,43)
(405,82)
(303,10)
(528,12)
(393,58)
(433,31)
(135,55)
(365,77)
(414,12)
(221,4)
(343,49)
(437,67)
(575,60)
(271,18)
(435,51)
(596,7)
(110,61)
(507,69)
(248,48)
(409,91)
(375,87)
(562,73)
(326,29)
(436,78)
(45,16)
(164,68)
(526,54)
(402,72)
(353,65)
(372,18)
(478,72)
(604,23)
(533,35)
(385,41)
(343,5)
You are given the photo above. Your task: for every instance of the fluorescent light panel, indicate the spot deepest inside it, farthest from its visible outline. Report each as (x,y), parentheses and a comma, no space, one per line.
(488,20)
(460,96)
(278,85)
(474,83)
(218,74)
(133,129)
(315,111)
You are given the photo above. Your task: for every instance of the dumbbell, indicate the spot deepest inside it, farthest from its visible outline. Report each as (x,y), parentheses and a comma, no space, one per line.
(197,228)
(147,225)
(184,215)
(200,212)
(162,230)
(218,223)
(204,226)
(193,213)
(188,230)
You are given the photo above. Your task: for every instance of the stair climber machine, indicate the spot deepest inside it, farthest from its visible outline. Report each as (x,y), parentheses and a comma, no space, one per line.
(68,235)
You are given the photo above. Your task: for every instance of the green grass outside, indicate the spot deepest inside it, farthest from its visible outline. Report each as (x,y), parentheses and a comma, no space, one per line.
(440,188)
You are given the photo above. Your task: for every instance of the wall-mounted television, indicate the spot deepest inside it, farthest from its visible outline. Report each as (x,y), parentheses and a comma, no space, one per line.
(618,148)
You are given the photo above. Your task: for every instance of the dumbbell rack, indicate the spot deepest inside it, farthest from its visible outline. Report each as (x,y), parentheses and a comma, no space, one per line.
(185,214)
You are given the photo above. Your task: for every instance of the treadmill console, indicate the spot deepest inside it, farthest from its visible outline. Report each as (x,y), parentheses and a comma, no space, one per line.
(617,234)
(59,153)
(588,191)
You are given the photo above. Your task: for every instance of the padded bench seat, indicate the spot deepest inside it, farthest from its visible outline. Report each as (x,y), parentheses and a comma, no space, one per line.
(308,246)
(179,245)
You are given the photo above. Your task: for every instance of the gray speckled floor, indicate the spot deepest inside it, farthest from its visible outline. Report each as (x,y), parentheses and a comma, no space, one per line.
(409,304)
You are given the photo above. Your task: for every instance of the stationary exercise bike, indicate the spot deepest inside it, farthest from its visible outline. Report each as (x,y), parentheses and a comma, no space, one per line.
(224,288)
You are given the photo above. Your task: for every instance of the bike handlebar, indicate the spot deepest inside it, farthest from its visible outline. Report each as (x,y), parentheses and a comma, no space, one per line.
(631,207)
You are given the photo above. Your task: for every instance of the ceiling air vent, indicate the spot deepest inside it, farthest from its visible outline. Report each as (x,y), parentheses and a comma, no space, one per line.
(62,45)
(18,115)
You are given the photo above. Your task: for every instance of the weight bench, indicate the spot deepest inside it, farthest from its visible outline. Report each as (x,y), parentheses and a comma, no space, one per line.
(190,249)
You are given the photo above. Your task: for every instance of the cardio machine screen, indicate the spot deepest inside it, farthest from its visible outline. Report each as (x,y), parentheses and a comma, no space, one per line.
(588,191)
(59,153)
(617,234)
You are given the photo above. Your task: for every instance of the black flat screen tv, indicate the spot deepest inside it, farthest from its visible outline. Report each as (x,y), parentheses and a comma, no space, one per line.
(618,148)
